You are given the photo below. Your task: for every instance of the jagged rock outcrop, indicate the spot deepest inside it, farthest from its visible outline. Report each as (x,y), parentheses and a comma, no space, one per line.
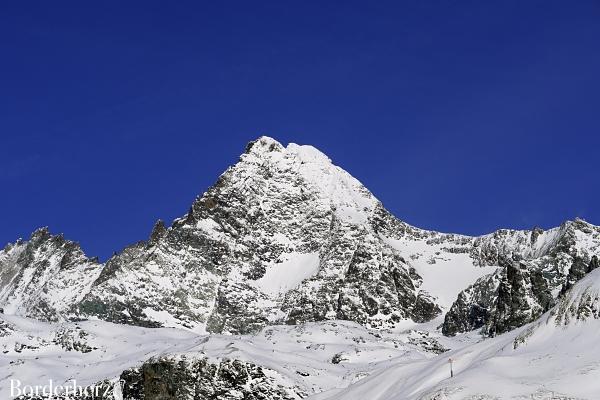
(523,296)
(501,302)
(44,276)
(538,271)
(199,379)
(364,281)
(182,378)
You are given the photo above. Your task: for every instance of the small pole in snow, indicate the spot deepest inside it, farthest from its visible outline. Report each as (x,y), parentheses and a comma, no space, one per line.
(450,361)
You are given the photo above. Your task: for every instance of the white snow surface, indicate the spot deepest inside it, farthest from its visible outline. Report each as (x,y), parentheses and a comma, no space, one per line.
(288,274)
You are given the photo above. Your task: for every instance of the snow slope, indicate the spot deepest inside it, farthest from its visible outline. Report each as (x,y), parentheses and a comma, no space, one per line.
(444,273)
(556,357)
(286,275)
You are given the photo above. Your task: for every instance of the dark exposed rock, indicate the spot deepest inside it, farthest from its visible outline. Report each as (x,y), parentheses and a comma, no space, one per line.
(338,358)
(535,233)
(234,312)
(512,306)
(425,341)
(73,340)
(179,378)
(5,328)
(200,379)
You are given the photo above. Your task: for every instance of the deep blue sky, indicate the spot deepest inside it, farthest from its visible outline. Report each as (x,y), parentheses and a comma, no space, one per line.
(462,116)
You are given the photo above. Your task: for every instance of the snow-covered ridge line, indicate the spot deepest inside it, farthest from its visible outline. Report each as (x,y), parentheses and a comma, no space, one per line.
(284,236)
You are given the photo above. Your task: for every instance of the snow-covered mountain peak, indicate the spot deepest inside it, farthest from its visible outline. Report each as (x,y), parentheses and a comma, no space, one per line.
(268,152)
(283,235)
(309,168)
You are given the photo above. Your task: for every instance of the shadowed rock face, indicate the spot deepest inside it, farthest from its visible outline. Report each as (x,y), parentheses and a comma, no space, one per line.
(578,270)
(523,296)
(472,308)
